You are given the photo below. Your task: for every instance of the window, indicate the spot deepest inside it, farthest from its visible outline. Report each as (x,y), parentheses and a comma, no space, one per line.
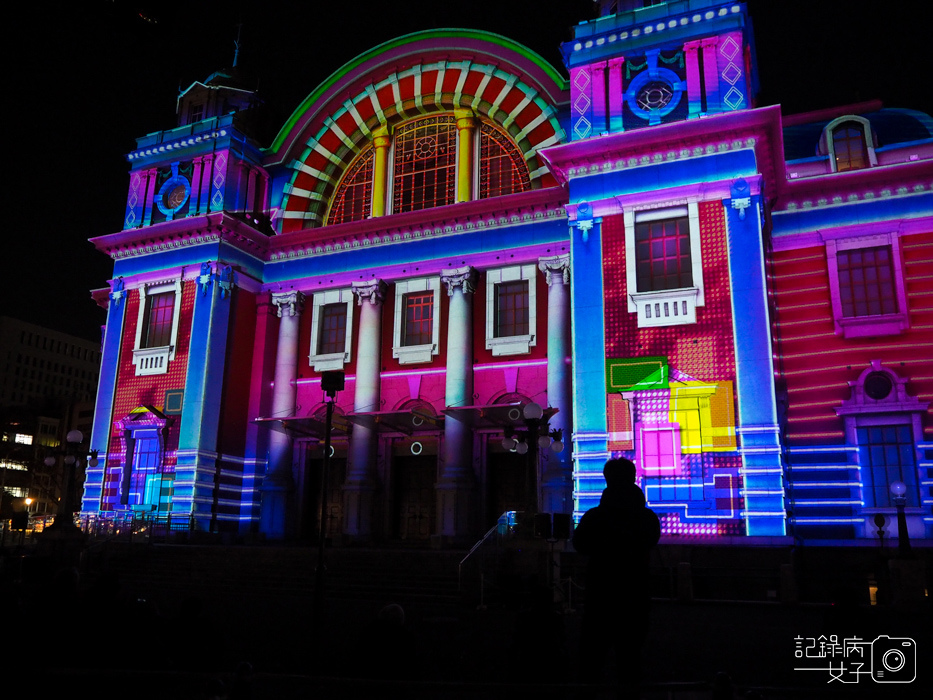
(426,156)
(866,282)
(662,250)
(887,454)
(425,164)
(354,199)
(156,327)
(884,422)
(331,329)
(511,310)
(501,166)
(849,143)
(866,285)
(417,328)
(849,147)
(664,269)
(658,448)
(419,319)
(158,320)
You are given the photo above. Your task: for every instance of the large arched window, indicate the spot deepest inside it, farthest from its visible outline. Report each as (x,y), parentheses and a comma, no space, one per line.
(502,169)
(354,199)
(424,172)
(425,164)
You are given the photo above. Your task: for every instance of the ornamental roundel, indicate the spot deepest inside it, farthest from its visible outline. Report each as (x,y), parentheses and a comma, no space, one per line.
(174,193)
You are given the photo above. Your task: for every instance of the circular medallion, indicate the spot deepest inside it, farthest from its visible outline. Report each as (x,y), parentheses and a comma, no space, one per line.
(878,385)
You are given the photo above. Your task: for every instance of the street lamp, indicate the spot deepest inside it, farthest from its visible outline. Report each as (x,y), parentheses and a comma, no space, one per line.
(71,454)
(899,493)
(534,436)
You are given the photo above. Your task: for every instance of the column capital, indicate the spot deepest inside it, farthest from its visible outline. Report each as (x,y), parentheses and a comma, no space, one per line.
(373,291)
(288,303)
(463,277)
(554,264)
(465,118)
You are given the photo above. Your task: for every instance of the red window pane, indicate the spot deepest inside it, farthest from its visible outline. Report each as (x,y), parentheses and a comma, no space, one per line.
(354,198)
(158,320)
(502,170)
(332,334)
(419,319)
(866,282)
(662,253)
(512,309)
(849,146)
(425,164)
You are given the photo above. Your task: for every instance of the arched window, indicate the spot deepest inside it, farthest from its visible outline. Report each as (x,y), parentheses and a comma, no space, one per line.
(354,198)
(429,156)
(425,164)
(502,169)
(849,147)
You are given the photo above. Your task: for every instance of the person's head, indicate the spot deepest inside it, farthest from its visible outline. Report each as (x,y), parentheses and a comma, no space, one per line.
(619,472)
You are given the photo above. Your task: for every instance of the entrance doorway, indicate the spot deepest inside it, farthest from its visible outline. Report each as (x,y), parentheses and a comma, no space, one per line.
(505,480)
(413,497)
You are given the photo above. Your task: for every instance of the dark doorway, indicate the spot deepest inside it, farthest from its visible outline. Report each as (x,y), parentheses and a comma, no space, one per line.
(310,506)
(413,490)
(505,479)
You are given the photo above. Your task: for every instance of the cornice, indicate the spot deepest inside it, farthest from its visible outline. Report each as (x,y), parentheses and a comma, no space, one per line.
(476,216)
(867,184)
(759,129)
(193,231)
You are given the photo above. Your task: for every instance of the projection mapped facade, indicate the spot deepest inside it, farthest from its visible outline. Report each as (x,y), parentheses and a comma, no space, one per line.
(733,299)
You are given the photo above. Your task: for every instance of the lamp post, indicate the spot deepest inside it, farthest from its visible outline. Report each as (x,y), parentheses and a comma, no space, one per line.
(71,454)
(899,494)
(534,437)
(331,383)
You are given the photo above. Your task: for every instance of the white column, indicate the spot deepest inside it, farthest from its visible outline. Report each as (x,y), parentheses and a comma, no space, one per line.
(557,477)
(279,484)
(361,472)
(456,480)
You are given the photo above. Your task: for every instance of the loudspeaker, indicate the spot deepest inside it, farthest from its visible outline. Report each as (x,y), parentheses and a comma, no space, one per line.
(563,526)
(543,525)
(332,382)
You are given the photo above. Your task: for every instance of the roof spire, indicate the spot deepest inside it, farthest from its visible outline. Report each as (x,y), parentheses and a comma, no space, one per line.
(236,43)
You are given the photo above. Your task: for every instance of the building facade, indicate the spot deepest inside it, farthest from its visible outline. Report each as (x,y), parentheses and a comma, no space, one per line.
(637,253)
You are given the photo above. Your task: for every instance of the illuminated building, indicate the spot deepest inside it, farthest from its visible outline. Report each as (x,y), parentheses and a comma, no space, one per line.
(462,230)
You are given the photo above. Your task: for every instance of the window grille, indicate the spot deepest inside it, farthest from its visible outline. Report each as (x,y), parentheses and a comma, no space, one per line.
(662,251)
(866,282)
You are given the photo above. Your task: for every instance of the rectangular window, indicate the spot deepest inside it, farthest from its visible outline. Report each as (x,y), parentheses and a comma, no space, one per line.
(419,319)
(866,282)
(332,333)
(887,454)
(662,252)
(158,320)
(512,309)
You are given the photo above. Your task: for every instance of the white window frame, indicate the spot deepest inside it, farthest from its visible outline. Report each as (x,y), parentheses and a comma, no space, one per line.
(656,309)
(413,354)
(879,324)
(151,361)
(516,344)
(324,362)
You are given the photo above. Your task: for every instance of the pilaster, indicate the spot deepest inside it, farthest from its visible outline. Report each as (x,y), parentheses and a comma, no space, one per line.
(456,479)
(556,481)
(278,486)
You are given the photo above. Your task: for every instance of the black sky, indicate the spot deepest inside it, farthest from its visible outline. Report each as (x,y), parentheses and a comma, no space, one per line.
(84,81)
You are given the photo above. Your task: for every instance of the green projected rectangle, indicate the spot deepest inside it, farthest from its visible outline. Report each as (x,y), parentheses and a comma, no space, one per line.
(636,373)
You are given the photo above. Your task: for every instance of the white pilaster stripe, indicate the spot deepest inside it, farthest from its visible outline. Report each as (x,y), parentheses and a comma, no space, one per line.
(335,127)
(380,115)
(510,81)
(464,72)
(352,111)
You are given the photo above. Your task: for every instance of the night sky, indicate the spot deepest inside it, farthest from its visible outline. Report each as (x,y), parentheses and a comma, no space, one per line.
(85,80)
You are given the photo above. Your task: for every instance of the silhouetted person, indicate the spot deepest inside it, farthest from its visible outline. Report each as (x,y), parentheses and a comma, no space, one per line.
(617,536)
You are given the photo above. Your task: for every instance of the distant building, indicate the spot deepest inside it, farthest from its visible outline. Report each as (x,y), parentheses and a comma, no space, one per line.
(39,365)
(732,298)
